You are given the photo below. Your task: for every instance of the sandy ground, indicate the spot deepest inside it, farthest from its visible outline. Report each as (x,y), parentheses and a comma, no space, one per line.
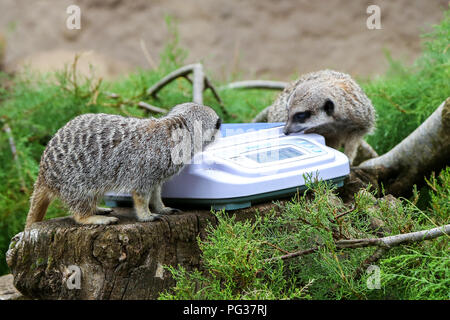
(260,38)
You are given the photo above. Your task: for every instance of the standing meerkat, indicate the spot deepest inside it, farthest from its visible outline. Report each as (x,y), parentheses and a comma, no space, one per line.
(96,153)
(326,102)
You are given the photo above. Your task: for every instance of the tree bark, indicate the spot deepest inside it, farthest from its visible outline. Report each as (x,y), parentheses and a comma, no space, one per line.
(426,149)
(123,261)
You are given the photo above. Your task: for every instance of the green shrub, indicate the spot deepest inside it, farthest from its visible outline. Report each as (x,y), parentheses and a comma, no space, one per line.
(406,96)
(35,106)
(236,255)
(233,259)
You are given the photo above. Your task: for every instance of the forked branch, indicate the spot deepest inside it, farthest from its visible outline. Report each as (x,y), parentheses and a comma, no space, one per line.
(256,84)
(426,149)
(386,242)
(199,83)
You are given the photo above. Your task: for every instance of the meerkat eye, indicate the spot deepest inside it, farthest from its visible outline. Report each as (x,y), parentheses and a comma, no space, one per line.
(301,116)
(218,123)
(328,107)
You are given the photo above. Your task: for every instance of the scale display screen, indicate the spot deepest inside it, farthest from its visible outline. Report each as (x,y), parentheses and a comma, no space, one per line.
(275,155)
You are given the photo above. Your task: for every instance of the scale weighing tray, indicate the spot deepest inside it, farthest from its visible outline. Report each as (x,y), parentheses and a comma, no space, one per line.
(251,163)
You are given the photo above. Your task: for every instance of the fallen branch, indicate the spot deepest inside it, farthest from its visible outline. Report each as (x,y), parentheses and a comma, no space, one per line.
(199,83)
(151,108)
(141,104)
(256,84)
(426,149)
(386,242)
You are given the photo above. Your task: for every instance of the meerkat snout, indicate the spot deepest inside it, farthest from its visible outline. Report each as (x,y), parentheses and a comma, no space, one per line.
(309,111)
(328,103)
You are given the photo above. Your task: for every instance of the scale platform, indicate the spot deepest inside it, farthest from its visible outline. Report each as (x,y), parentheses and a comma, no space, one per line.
(251,163)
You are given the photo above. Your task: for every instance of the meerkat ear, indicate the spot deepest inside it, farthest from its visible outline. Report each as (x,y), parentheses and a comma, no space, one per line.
(218,123)
(288,100)
(328,107)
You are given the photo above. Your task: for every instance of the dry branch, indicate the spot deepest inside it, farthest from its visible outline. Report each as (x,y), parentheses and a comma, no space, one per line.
(199,83)
(386,242)
(141,104)
(426,149)
(151,108)
(256,84)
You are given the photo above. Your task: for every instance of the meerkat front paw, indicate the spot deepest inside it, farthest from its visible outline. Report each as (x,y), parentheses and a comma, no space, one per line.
(169,210)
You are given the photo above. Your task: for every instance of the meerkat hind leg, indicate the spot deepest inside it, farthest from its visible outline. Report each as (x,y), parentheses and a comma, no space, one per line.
(141,205)
(158,205)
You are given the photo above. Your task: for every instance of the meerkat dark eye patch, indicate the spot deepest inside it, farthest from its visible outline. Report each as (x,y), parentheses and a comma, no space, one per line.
(301,116)
(328,107)
(218,123)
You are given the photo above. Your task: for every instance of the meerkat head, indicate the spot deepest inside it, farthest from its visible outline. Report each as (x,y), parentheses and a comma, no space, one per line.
(309,106)
(202,121)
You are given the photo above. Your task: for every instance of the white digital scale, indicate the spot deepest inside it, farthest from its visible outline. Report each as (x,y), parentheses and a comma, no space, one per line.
(252,162)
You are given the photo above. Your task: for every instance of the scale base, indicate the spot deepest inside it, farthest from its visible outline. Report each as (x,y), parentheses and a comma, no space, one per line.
(220,204)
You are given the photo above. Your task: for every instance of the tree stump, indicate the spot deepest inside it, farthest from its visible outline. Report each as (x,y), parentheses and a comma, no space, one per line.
(58,259)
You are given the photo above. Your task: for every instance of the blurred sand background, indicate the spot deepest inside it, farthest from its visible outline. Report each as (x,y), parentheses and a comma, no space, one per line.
(259,38)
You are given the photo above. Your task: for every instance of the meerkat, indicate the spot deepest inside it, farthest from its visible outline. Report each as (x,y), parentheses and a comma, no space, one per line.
(326,102)
(96,153)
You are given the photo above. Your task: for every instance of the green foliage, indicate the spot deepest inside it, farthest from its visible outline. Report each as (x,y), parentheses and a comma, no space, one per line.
(238,256)
(233,261)
(406,96)
(35,106)
(440,195)
(235,254)
(422,271)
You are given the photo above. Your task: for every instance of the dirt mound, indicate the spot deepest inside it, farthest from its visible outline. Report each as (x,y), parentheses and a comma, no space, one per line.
(258,38)
(89,63)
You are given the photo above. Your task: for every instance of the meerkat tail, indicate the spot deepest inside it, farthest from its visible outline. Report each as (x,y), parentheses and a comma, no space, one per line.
(262,116)
(39,204)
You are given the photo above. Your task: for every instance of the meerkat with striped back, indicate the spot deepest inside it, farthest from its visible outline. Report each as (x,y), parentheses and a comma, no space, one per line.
(326,102)
(96,153)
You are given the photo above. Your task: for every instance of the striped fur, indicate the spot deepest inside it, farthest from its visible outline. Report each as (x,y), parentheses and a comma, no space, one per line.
(96,153)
